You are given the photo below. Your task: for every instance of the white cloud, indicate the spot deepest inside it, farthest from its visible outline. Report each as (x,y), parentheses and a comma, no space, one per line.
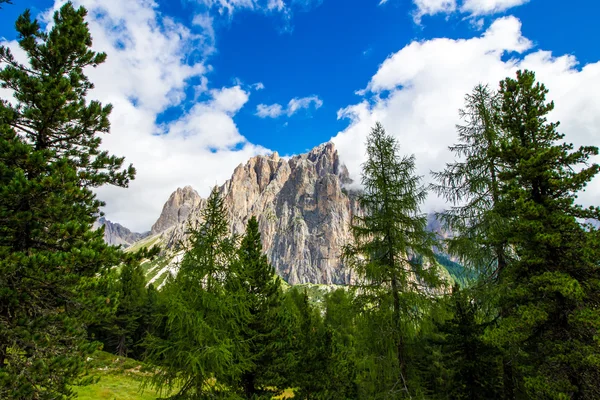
(258,86)
(472,7)
(151,62)
(297,103)
(487,7)
(277,5)
(432,7)
(416,94)
(269,111)
(294,105)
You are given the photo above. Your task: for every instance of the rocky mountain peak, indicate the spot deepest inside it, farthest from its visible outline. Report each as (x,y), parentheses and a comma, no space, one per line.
(116,234)
(304,215)
(177,209)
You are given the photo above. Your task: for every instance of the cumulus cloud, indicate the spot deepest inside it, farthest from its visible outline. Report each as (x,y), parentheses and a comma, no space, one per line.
(294,105)
(417,91)
(152,61)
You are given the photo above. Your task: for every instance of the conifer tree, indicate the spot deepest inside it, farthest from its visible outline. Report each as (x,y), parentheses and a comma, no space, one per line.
(472,186)
(392,251)
(203,320)
(49,162)
(473,365)
(261,287)
(551,288)
(131,300)
(321,370)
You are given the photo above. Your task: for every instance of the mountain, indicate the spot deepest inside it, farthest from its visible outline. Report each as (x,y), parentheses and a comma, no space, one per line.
(302,207)
(177,209)
(117,234)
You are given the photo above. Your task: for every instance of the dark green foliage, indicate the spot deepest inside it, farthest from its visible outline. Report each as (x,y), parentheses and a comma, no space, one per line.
(198,349)
(149,322)
(471,186)
(394,261)
(263,331)
(49,162)
(120,331)
(322,367)
(469,367)
(550,320)
(458,272)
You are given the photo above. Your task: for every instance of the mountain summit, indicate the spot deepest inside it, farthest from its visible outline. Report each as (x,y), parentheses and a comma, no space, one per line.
(303,211)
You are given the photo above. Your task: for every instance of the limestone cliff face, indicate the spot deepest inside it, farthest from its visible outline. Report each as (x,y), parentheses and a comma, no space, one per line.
(177,209)
(303,211)
(117,234)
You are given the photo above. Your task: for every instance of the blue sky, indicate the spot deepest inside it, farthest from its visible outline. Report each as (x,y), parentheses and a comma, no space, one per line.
(201,85)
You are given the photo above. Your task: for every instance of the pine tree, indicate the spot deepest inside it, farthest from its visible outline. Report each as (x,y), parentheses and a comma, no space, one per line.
(49,163)
(392,251)
(131,300)
(150,321)
(551,288)
(203,320)
(473,365)
(313,351)
(261,288)
(339,321)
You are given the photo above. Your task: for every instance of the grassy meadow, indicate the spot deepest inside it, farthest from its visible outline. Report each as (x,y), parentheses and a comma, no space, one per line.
(120,378)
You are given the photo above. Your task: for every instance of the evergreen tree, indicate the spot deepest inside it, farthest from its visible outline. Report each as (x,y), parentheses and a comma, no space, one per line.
(203,320)
(150,322)
(321,370)
(472,365)
(392,253)
(131,298)
(550,297)
(49,163)
(472,186)
(263,330)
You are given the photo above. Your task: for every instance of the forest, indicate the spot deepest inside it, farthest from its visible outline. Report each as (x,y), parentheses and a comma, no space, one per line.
(524,323)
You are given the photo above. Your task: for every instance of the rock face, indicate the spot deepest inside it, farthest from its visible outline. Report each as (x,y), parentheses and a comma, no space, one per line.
(304,213)
(177,209)
(117,234)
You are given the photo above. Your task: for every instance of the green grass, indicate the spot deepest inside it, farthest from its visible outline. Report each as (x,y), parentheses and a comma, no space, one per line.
(120,378)
(119,387)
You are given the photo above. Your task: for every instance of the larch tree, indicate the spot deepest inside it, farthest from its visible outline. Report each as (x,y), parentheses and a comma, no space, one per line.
(392,252)
(197,351)
(471,185)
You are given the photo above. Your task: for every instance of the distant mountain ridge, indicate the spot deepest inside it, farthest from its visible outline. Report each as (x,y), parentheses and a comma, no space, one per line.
(117,234)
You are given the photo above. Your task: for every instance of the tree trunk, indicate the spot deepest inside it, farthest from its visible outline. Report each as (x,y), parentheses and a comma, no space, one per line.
(400,340)
(121,349)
